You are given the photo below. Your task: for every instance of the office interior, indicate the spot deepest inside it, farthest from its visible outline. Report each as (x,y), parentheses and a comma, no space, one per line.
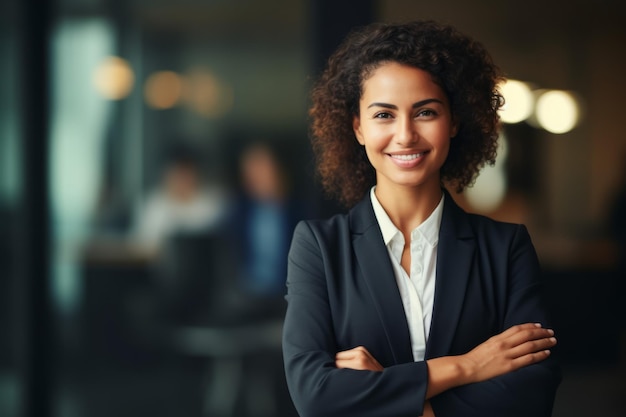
(102,98)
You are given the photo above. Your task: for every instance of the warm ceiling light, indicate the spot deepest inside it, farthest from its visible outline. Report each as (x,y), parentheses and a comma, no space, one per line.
(163,89)
(518,101)
(114,78)
(206,94)
(557,111)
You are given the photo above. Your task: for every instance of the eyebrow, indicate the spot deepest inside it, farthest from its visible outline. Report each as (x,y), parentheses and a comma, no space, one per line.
(415,105)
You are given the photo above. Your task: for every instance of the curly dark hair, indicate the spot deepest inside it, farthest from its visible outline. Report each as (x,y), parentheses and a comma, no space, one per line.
(458,64)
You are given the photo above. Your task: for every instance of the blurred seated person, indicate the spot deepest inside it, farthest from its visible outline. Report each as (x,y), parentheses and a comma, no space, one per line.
(183,203)
(178,223)
(264,220)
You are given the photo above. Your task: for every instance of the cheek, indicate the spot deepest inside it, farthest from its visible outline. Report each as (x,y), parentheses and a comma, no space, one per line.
(374,148)
(373,152)
(441,135)
(377,137)
(444,145)
(445,149)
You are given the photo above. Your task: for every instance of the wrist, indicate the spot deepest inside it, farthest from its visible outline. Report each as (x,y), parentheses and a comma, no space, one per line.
(447,372)
(466,369)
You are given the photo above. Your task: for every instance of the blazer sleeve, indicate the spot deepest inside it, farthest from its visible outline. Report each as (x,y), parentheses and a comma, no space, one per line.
(529,391)
(316,386)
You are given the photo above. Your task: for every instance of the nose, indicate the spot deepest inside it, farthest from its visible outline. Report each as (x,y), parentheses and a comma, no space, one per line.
(406,133)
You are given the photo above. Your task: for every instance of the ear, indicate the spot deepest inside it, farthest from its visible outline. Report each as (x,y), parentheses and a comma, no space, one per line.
(356,126)
(454,129)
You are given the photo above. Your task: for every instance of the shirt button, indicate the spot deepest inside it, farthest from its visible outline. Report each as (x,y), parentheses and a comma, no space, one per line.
(418,269)
(419,247)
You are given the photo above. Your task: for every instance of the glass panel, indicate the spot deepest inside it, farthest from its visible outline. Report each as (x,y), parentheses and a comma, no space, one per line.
(153,105)
(79,119)
(10,201)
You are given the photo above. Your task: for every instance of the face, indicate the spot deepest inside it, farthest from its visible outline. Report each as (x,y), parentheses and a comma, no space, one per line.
(405,125)
(182,182)
(261,173)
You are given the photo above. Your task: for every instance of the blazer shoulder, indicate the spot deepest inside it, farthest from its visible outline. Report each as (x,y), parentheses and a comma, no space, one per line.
(486,228)
(324,231)
(356,221)
(468,225)
(480,221)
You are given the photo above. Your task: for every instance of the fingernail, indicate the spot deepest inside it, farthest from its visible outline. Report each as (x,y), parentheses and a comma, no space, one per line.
(553,339)
(551,331)
(537,324)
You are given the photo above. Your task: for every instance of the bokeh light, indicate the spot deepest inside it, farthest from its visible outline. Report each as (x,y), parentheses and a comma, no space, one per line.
(518,101)
(557,111)
(490,187)
(163,90)
(114,78)
(207,94)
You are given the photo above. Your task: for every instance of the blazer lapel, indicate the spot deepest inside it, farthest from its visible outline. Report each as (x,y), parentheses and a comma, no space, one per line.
(455,254)
(378,274)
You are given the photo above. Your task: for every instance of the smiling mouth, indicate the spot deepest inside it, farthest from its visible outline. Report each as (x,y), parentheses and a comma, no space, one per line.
(409,157)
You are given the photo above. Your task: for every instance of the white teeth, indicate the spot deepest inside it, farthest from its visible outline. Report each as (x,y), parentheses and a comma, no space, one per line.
(407,157)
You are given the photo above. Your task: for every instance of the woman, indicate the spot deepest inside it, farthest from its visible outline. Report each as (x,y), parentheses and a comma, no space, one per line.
(407,305)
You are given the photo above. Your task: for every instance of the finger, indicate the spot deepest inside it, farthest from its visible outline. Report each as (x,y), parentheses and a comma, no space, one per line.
(512,331)
(342,363)
(353,363)
(532,346)
(357,363)
(530,359)
(359,350)
(347,364)
(523,326)
(524,335)
(357,358)
(518,328)
(346,354)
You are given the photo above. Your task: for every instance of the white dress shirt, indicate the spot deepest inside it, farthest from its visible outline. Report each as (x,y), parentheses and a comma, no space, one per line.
(163,216)
(417,290)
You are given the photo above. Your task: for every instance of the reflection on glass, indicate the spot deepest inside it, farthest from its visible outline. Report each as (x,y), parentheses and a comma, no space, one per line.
(78,128)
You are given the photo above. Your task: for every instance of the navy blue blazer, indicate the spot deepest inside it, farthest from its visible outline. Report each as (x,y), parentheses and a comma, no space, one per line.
(342,293)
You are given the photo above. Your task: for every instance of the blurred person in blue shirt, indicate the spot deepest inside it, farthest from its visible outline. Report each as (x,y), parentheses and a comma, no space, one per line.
(264,219)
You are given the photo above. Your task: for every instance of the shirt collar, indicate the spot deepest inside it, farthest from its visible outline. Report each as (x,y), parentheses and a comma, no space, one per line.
(429,229)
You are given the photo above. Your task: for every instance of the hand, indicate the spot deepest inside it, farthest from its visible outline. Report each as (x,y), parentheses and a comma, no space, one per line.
(516,347)
(358,358)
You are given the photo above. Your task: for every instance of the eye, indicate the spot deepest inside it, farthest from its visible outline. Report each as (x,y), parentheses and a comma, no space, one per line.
(383,115)
(426,113)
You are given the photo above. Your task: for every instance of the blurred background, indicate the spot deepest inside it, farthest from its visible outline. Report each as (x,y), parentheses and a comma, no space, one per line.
(154,159)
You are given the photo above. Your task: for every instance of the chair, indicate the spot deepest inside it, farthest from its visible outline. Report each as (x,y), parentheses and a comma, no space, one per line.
(209,317)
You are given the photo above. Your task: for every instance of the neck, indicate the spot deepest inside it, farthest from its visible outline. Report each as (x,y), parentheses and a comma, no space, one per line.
(408,207)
